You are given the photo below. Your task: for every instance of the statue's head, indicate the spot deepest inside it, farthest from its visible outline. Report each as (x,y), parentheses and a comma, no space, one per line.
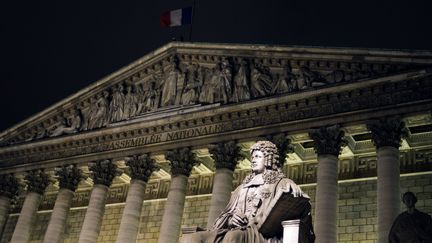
(409,199)
(270,153)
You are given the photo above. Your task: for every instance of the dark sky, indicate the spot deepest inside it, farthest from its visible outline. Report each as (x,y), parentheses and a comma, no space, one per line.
(52,49)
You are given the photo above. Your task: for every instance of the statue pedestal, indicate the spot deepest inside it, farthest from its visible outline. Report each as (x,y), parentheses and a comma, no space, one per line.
(291,229)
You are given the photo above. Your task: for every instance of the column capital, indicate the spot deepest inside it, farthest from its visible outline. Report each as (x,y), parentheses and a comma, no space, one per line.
(387,131)
(182,161)
(282,143)
(69,176)
(9,186)
(141,166)
(225,154)
(37,181)
(103,171)
(328,139)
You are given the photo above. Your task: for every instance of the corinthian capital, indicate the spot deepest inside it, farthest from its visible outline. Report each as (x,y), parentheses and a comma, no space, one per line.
(328,140)
(182,161)
(37,181)
(225,155)
(387,131)
(141,166)
(9,186)
(69,176)
(103,172)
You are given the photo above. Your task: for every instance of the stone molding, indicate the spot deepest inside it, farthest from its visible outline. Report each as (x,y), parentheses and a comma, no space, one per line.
(382,95)
(69,176)
(181,160)
(103,172)
(328,140)
(37,181)
(141,167)
(225,154)
(9,186)
(387,131)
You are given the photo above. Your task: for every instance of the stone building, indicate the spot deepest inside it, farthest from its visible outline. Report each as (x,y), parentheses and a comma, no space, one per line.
(152,148)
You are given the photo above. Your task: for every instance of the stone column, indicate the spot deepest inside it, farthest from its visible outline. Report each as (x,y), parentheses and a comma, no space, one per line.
(9,187)
(141,168)
(36,181)
(182,161)
(69,176)
(102,173)
(328,141)
(386,135)
(225,156)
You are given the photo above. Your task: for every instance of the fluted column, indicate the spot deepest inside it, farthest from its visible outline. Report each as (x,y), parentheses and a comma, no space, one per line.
(69,176)
(36,181)
(225,156)
(141,168)
(182,162)
(9,187)
(102,173)
(387,134)
(328,141)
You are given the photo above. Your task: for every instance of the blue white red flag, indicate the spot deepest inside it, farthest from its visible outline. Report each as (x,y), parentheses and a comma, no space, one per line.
(177,17)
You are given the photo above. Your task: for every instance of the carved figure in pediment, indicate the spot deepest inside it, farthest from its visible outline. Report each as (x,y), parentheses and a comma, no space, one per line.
(171,83)
(152,98)
(309,78)
(335,76)
(207,95)
(193,83)
(130,103)
(241,90)
(222,80)
(287,82)
(261,81)
(88,113)
(66,125)
(117,104)
(140,96)
(100,118)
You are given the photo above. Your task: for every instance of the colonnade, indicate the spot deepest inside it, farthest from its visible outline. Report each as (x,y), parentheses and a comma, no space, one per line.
(328,141)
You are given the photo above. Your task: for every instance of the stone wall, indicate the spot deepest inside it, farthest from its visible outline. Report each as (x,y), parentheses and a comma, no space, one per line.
(356,213)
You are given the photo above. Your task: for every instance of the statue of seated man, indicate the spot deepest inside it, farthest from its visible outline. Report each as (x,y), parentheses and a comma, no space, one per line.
(250,203)
(411,226)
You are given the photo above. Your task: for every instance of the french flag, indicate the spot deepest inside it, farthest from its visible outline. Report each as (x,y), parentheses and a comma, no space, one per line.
(177,17)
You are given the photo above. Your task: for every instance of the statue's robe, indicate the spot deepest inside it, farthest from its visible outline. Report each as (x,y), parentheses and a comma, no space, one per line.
(252,200)
(413,227)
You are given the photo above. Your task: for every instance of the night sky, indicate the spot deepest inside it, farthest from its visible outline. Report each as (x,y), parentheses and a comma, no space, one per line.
(52,49)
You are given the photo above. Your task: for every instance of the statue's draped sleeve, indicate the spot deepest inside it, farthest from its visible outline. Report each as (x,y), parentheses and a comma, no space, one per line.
(222,221)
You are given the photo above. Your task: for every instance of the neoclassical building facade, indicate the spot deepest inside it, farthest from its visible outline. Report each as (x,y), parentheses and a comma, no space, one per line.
(154,150)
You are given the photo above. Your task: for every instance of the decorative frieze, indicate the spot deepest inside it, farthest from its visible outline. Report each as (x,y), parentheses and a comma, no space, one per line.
(103,172)
(69,176)
(141,166)
(37,181)
(182,161)
(328,140)
(387,131)
(225,154)
(9,186)
(386,94)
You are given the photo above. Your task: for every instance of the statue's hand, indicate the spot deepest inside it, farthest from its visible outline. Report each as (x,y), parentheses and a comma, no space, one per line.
(237,221)
(295,189)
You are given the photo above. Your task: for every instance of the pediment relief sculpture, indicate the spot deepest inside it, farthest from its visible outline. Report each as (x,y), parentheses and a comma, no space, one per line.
(182,80)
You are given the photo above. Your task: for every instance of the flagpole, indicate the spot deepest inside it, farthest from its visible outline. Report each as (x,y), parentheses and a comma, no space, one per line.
(193,13)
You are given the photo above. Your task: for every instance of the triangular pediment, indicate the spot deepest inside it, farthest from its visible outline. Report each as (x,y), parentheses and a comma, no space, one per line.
(189,76)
